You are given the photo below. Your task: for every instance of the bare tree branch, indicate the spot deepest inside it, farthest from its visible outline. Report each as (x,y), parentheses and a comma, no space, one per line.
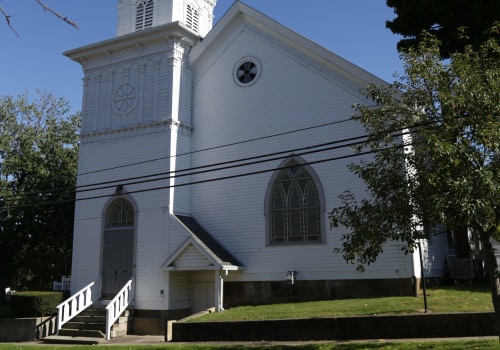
(57,14)
(7,18)
(45,8)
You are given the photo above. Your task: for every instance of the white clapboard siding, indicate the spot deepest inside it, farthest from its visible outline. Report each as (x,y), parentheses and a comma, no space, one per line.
(190,113)
(191,259)
(179,289)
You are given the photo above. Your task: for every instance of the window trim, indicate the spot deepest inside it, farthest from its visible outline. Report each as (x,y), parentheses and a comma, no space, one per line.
(111,205)
(105,228)
(247,60)
(268,198)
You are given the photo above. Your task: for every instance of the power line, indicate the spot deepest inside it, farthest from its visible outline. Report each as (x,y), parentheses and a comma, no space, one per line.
(81,187)
(60,190)
(224,165)
(217,178)
(221,146)
(196,170)
(115,182)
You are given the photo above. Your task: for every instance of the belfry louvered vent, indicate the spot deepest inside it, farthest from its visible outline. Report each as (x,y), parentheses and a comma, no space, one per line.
(192,20)
(144,14)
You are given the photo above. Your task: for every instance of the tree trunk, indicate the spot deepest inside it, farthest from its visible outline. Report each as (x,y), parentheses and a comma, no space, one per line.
(491,267)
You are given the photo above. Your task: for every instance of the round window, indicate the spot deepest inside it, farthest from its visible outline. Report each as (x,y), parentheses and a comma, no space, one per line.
(125,98)
(246,71)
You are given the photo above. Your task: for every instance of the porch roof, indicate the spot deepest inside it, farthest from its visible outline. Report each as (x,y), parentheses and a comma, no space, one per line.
(205,243)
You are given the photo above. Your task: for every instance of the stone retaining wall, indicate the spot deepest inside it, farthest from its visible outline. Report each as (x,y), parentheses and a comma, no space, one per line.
(26,329)
(341,328)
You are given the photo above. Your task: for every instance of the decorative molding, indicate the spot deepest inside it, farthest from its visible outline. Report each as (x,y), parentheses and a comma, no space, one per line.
(175,47)
(137,130)
(125,98)
(178,50)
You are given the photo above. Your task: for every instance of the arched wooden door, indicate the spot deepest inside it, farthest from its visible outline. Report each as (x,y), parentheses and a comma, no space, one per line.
(118,252)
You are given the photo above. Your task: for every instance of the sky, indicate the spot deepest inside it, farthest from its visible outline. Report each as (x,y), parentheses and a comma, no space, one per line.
(352,29)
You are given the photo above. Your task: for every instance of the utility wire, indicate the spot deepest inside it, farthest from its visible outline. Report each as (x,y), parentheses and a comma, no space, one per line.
(115,182)
(81,187)
(217,178)
(222,146)
(59,190)
(222,165)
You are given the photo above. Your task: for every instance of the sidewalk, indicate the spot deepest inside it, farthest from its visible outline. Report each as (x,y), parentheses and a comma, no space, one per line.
(136,339)
(158,339)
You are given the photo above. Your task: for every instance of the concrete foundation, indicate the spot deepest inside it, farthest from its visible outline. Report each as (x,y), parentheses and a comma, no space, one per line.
(26,329)
(269,292)
(342,328)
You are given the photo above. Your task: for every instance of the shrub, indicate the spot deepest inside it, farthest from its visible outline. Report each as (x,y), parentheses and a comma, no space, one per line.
(35,304)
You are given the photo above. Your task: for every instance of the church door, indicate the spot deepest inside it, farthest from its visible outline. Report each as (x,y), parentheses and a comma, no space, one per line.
(118,252)
(203,296)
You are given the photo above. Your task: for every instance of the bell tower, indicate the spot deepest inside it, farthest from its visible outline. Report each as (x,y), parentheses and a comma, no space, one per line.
(136,15)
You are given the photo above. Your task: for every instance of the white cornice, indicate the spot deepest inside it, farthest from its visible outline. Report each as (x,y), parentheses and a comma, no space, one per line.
(136,130)
(136,40)
(170,47)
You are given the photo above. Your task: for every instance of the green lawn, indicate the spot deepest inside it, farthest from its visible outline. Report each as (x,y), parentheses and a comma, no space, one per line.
(453,298)
(477,344)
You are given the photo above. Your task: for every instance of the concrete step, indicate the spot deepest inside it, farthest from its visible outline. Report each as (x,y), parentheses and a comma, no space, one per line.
(92,324)
(83,333)
(88,319)
(86,325)
(89,327)
(94,311)
(61,339)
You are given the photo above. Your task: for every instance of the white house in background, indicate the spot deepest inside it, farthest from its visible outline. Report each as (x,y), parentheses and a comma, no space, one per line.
(209,160)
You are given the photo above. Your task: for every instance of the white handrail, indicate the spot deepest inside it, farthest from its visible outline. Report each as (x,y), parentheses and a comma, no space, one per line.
(74,305)
(116,306)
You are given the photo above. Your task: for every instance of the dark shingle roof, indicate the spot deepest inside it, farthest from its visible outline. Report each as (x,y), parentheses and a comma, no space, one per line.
(210,242)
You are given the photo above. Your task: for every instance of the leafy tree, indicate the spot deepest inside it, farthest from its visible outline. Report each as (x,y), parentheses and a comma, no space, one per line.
(436,141)
(38,162)
(443,18)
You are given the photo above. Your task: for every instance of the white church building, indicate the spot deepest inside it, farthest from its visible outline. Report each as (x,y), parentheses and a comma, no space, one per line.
(209,161)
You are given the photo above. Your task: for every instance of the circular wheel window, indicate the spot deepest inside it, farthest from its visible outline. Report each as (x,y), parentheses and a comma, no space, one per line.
(246,71)
(125,98)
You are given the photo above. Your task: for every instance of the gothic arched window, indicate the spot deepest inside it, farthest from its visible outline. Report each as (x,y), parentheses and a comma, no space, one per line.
(192,19)
(294,206)
(144,14)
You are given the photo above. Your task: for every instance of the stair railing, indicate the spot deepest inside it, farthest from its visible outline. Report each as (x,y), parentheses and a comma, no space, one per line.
(116,306)
(74,305)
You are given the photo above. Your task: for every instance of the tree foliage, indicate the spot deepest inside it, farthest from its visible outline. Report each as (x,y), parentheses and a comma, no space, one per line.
(38,162)
(443,18)
(436,137)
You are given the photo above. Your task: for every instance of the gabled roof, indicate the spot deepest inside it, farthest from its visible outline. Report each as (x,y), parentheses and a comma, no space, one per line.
(322,59)
(207,247)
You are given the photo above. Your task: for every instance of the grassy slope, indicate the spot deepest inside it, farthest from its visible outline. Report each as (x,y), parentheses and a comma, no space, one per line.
(456,298)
